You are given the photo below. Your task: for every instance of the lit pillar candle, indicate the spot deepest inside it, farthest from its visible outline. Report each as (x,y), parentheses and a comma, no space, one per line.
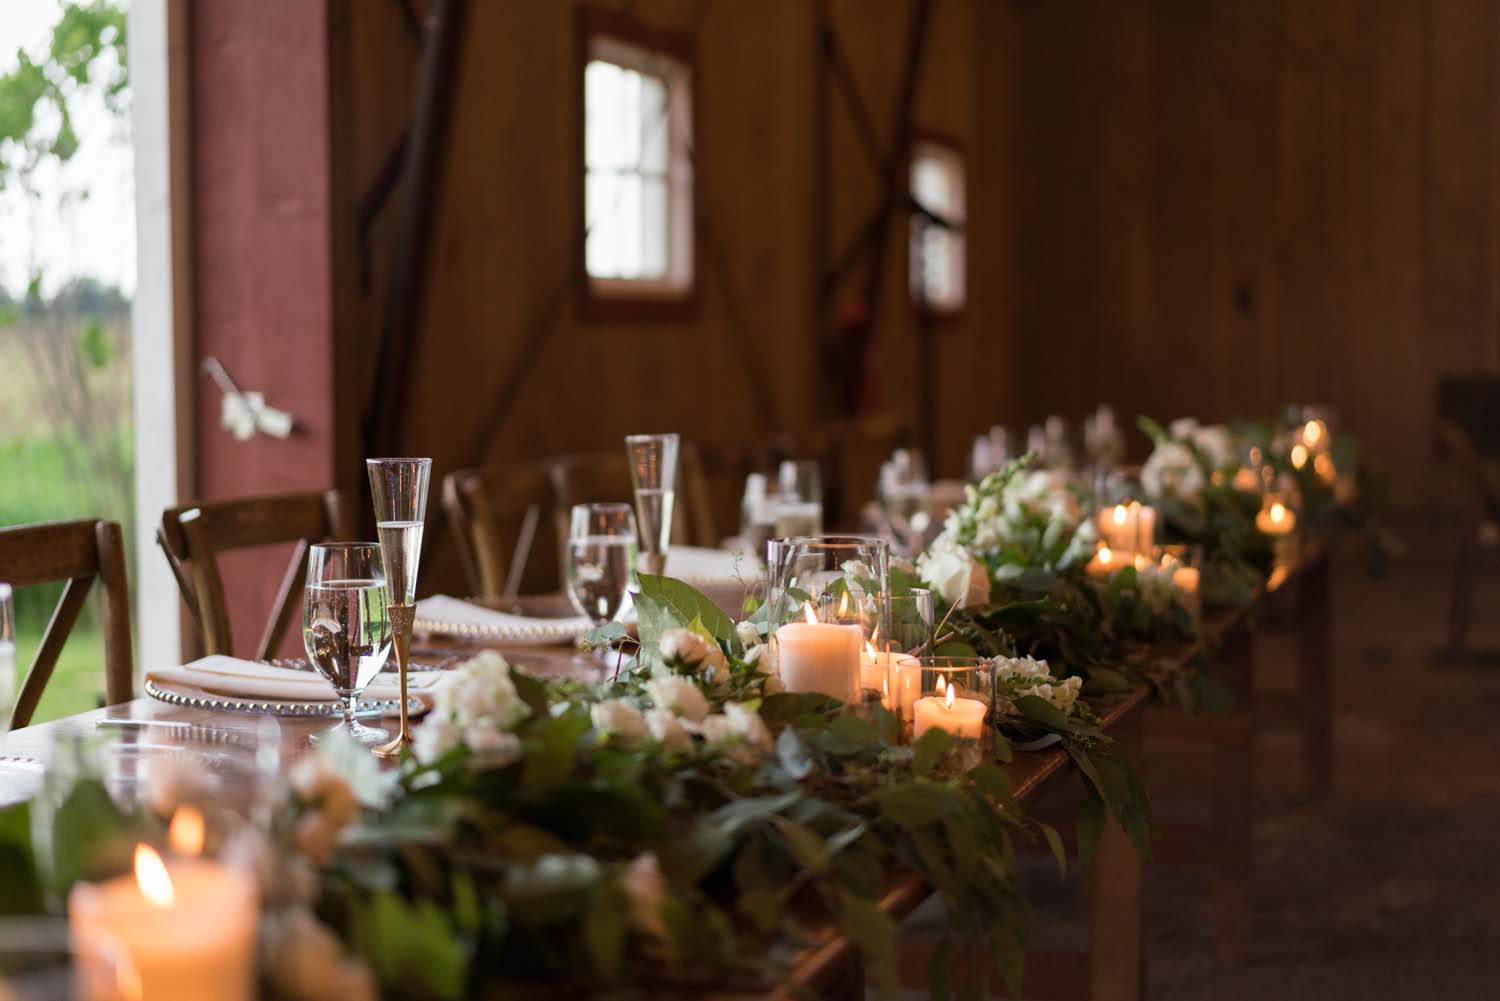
(1275,518)
(820,657)
(171,933)
(960,717)
(1186,580)
(1104,562)
(881,672)
(1128,529)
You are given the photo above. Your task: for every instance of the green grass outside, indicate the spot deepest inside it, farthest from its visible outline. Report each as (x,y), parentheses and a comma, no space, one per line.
(77,684)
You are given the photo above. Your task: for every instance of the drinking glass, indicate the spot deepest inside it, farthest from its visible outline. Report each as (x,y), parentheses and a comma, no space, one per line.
(756,523)
(903,492)
(653,474)
(7,649)
(797,508)
(346,623)
(601,559)
(912,618)
(399,490)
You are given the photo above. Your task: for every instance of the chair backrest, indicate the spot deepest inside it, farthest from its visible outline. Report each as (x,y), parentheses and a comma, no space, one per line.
(501,516)
(192,536)
(1472,403)
(75,552)
(1460,449)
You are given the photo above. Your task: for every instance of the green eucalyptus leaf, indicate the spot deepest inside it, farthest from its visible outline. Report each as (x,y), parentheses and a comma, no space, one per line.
(873,931)
(685,604)
(914,805)
(929,750)
(1038,710)
(1055,842)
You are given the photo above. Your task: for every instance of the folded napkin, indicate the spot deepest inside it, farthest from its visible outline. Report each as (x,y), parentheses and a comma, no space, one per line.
(695,563)
(442,611)
(231,677)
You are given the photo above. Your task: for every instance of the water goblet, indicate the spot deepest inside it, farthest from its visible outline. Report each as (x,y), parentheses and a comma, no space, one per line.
(346,625)
(601,559)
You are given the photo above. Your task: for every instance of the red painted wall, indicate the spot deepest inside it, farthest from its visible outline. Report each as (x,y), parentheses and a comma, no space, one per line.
(263,300)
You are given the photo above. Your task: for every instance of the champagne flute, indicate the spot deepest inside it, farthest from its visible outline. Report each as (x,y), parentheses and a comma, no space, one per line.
(601,559)
(346,625)
(653,474)
(399,490)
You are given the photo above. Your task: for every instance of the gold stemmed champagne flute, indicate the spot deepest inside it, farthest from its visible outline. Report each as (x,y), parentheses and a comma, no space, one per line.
(399,490)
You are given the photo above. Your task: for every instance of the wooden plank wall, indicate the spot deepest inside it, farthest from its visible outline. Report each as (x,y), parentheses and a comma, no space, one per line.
(504,243)
(1224,205)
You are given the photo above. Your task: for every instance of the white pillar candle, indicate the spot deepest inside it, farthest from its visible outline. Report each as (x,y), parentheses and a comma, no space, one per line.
(1128,529)
(175,932)
(1186,580)
(1275,519)
(960,717)
(820,657)
(1104,562)
(881,672)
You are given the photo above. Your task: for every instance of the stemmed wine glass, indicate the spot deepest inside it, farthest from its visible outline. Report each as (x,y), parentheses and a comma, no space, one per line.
(601,559)
(346,626)
(653,474)
(399,489)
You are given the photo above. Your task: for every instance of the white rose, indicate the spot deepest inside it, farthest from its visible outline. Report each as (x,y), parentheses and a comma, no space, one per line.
(1066,694)
(620,721)
(1218,445)
(1182,427)
(434,737)
(746,723)
(668,731)
(958,577)
(1022,667)
(1172,471)
(749,634)
(645,888)
(496,747)
(680,695)
(305,961)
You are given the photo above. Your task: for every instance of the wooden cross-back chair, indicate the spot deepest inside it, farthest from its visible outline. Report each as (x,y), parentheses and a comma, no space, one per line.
(75,552)
(501,515)
(192,536)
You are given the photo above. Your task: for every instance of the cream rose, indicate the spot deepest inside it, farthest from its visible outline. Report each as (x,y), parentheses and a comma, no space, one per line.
(962,580)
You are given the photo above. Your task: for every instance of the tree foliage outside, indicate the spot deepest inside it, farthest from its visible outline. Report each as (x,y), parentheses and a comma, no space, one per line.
(65,414)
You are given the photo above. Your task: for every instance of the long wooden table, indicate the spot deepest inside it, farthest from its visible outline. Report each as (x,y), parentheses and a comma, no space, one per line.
(830,968)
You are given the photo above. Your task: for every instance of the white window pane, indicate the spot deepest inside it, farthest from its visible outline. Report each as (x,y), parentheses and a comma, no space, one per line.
(612,111)
(654,228)
(614,212)
(654,125)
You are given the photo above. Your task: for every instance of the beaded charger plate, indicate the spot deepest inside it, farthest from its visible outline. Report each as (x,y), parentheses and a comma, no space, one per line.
(535,631)
(193,697)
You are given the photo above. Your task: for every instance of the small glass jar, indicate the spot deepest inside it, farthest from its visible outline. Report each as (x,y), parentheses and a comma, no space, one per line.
(956,694)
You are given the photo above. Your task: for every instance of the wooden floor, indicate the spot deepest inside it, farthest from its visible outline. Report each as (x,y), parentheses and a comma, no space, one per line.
(1388,889)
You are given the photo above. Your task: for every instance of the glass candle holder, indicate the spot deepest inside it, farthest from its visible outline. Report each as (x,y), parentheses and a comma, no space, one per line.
(810,632)
(956,694)
(1183,565)
(912,617)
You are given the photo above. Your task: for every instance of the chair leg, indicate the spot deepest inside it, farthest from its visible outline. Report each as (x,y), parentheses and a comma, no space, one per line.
(1314,656)
(1462,603)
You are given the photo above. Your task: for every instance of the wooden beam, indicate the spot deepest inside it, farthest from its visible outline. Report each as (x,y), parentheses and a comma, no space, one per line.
(426,154)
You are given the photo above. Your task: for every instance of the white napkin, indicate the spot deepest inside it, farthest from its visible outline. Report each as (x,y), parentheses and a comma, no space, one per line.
(247,679)
(695,563)
(441,609)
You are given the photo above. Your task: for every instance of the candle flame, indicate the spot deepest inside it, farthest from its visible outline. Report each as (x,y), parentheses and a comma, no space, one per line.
(843,604)
(1278,512)
(1106,556)
(812,615)
(1119,514)
(948,698)
(185,834)
(1299,455)
(152,877)
(1313,432)
(1323,466)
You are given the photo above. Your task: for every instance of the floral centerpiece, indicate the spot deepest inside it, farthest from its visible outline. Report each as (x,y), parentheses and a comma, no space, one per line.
(682,822)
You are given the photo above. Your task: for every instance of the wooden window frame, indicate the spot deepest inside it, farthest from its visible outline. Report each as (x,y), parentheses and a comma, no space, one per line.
(626,298)
(952,145)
